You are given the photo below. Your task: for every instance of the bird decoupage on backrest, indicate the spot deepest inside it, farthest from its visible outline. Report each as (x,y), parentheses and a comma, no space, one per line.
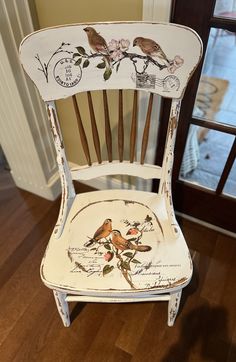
(63,61)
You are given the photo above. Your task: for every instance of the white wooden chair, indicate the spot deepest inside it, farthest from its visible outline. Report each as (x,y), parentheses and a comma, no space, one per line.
(114,245)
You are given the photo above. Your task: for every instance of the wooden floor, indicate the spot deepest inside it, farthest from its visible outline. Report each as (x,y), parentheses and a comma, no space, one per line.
(30,327)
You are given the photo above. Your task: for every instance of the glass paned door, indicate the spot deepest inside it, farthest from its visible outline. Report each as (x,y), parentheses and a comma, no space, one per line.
(205,168)
(207,150)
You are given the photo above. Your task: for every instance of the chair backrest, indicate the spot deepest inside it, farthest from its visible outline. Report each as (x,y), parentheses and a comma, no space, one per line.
(157,58)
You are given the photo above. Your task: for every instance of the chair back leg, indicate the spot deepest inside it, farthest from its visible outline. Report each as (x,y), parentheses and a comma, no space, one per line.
(173,307)
(62,306)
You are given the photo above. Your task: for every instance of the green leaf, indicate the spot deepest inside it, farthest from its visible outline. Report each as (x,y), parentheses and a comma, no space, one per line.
(107,246)
(81,50)
(125,265)
(86,63)
(132,239)
(101,65)
(136,261)
(107,74)
(76,55)
(128,254)
(107,269)
(78,62)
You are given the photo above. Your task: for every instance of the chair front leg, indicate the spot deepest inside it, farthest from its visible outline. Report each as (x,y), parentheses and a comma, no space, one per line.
(62,306)
(173,307)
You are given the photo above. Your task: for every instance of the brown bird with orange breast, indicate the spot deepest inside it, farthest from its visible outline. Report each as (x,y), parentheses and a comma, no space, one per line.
(102,232)
(120,243)
(151,48)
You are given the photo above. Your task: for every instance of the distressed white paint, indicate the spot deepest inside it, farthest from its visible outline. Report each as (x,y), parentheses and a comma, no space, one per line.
(173,307)
(68,192)
(157,298)
(165,181)
(153,10)
(149,254)
(145,171)
(62,307)
(51,47)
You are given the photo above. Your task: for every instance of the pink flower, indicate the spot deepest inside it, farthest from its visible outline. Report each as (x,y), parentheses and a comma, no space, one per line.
(117,55)
(117,48)
(132,231)
(113,45)
(108,256)
(178,61)
(124,44)
(175,64)
(172,68)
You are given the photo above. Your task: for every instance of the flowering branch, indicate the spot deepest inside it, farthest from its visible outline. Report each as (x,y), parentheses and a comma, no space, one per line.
(117,51)
(44,66)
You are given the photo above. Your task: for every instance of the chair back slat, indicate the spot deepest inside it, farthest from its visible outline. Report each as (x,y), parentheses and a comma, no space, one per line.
(120,127)
(83,137)
(133,132)
(96,140)
(146,129)
(107,127)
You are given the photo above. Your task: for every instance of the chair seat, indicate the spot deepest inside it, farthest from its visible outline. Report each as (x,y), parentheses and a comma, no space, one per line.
(140,254)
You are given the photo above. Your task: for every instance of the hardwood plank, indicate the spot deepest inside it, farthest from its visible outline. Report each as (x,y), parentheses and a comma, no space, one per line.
(135,318)
(35,315)
(149,340)
(22,287)
(198,237)
(218,270)
(78,337)
(21,251)
(23,219)
(106,337)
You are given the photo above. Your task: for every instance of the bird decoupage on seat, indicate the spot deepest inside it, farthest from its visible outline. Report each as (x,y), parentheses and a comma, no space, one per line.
(114,245)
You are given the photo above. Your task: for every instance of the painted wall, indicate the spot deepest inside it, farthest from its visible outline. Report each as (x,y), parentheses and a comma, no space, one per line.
(56,12)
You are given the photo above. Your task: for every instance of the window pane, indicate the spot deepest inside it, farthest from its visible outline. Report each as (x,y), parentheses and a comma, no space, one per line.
(225,9)
(216,96)
(205,155)
(230,186)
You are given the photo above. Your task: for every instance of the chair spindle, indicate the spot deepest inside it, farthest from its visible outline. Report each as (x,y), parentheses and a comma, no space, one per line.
(133,132)
(121,127)
(146,129)
(83,137)
(107,126)
(96,140)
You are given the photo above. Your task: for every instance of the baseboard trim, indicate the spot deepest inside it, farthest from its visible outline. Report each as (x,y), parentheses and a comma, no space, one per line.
(206,224)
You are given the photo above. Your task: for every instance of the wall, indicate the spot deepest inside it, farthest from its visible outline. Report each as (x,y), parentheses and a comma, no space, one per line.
(55,12)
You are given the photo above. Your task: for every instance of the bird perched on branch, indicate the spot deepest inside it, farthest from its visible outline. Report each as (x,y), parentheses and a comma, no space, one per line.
(151,48)
(102,232)
(96,41)
(121,243)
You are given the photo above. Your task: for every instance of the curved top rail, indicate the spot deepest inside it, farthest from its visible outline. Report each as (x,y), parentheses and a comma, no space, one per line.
(156,57)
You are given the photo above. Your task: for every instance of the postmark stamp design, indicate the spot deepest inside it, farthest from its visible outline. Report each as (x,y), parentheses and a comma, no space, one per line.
(66,73)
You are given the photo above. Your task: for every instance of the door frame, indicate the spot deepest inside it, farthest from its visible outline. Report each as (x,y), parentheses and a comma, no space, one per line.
(193,200)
